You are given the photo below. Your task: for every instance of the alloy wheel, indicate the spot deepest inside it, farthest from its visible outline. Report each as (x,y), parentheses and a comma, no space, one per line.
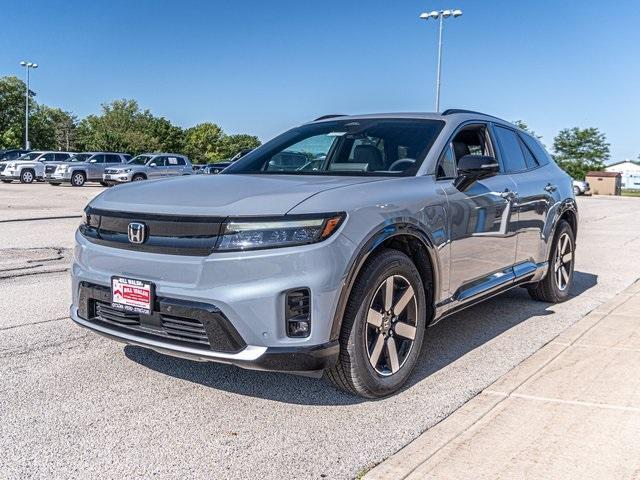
(78,179)
(27,177)
(391,325)
(563,261)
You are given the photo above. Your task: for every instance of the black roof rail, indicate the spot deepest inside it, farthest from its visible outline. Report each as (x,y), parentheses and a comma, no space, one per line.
(451,111)
(325,117)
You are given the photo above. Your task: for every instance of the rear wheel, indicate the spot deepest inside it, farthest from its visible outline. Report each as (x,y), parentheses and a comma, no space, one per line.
(383,327)
(78,179)
(557,283)
(27,176)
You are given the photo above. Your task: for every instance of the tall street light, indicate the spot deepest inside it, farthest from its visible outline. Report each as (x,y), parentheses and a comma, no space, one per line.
(28,66)
(441,15)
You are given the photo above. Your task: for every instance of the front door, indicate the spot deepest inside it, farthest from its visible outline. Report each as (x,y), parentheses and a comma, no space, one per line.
(158,169)
(481,219)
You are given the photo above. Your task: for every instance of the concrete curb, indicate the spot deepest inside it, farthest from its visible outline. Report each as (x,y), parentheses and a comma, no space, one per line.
(411,457)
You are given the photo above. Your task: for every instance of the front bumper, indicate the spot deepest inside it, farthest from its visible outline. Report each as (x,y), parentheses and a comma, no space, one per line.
(57,177)
(113,178)
(247,288)
(310,360)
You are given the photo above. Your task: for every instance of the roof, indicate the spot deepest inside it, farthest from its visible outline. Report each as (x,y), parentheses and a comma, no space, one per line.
(458,114)
(621,162)
(603,174)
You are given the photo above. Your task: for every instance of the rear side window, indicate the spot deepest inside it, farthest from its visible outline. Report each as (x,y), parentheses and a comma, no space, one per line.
(61,157)
(512,156)
(159,161)
(536,148)
(97,158)
(126,158)
(111,158)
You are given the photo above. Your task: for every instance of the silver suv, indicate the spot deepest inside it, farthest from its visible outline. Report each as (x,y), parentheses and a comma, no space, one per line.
(83,167)
(148,166)
(330,248)
(30,166)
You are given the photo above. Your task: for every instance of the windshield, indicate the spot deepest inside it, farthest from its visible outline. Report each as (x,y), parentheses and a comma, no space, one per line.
(79,157)
(140,160)
(376,147)
(30,156)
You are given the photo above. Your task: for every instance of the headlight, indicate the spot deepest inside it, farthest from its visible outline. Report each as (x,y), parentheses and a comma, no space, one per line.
(269,233)
(11,165)
(63,168)
(126,170)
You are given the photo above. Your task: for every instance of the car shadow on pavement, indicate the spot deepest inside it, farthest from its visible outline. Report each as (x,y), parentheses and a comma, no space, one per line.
(446,342)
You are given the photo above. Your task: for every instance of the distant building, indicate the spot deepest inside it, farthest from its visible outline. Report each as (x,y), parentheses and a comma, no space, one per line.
(630,171)
(604,183)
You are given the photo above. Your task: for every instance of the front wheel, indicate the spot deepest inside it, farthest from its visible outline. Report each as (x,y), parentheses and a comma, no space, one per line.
(138,177)
(78,179)
(559,279)
(576,191)
(383,327)
(27,176)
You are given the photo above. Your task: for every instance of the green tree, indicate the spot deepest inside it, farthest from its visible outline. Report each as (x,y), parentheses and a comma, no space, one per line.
(123,127)
(203,143)
(12,91)
(580,150)
(52,129)
(232,144)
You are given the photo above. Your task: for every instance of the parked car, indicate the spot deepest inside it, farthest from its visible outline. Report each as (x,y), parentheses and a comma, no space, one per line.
(148,166)
(30,166)
(411,218)
(199,169)
(84,167)
(581,187)
(12,154)
(217,167)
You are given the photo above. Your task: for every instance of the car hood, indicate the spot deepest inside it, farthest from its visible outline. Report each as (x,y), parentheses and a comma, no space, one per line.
(221,195)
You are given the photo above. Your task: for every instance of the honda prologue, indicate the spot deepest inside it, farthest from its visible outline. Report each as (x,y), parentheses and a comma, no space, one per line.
(331,248)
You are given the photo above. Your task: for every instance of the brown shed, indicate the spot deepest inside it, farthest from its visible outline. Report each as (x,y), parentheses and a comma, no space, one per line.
(605,183)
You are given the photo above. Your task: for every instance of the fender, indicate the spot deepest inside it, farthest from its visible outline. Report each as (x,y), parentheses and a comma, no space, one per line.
(396,228)
(568,204)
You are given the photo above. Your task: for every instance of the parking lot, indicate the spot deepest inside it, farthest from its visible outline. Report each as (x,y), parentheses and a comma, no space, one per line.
(73,404)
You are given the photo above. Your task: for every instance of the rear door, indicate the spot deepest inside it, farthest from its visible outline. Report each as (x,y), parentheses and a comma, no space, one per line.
(481,218)
(174,165)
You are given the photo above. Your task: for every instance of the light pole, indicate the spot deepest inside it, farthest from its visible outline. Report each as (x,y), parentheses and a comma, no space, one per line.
(441,15)
(28,66)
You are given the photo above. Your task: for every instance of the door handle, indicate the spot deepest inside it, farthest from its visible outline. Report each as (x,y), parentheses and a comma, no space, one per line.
(550,188)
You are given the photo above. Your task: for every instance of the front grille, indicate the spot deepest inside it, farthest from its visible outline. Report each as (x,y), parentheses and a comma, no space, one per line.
(110,171)
(168,234)
(50,169)
(199,325)
(105,312)
(187,329)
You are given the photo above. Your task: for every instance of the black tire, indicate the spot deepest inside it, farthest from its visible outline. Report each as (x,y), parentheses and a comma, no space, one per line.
(354,372)
(7,181)
(104,184)
(138,177)
(576,191)
(54,184)
(550,289)
(27,176)
(78,179)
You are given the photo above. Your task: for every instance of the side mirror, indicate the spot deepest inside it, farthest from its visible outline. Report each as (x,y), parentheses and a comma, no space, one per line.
(472,168)
(153,164)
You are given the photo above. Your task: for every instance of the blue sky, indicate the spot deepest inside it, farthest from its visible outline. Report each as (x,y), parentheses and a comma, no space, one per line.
(263,66)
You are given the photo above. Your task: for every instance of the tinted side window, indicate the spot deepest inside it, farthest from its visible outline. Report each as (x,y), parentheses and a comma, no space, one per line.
(97,158)
(126,158)
(61,157)
(512,156)
(111,158)
(447,164)
(528,156)
(536,148)
(159,161)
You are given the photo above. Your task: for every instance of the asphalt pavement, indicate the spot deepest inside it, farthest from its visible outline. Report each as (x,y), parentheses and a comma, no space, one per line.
(75,405)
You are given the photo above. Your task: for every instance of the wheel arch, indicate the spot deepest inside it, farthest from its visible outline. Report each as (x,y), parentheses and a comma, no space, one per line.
(407,238)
